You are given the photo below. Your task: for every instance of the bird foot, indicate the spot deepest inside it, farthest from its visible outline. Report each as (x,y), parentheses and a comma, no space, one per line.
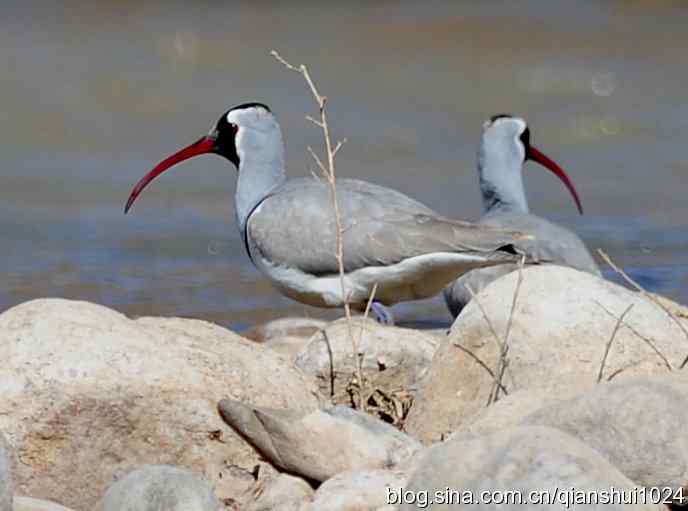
(382,314)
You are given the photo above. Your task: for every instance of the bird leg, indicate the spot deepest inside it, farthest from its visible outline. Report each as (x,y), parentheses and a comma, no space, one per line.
(382,314)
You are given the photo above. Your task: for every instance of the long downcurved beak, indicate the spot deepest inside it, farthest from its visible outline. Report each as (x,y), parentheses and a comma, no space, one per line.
(203,145)
(535,155)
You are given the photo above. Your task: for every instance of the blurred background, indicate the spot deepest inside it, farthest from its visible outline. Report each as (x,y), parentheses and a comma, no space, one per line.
(94,94)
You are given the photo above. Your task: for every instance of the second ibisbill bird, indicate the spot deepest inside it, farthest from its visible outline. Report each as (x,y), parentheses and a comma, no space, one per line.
(505,147)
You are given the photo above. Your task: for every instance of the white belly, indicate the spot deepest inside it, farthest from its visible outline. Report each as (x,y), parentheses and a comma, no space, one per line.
(411,279)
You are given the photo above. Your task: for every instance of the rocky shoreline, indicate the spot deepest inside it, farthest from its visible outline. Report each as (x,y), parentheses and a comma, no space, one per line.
(586,391)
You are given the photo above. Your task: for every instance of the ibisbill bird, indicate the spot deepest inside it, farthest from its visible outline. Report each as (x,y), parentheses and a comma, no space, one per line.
(289,231)
(504,148)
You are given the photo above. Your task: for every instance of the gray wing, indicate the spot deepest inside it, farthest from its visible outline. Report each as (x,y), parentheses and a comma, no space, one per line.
(296,227)
(551,242)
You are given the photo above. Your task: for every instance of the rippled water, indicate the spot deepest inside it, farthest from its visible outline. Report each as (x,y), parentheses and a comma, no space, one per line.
(94,95)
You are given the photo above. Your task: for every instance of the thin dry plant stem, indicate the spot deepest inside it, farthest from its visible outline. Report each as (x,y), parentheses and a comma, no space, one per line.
(328,172)
(640,336)
(503,360)
(493,331)
(615,373)
(366,312)
(498,341)
(647,295)
(611,340)
(371,298)
(502,344)
(483,365)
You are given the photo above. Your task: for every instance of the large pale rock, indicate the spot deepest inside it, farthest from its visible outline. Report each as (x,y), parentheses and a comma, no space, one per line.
(392,358)
(158,488)
(6,486)
(288,346)
(562,323)
(511,410)
(89,394)
(526,459)
(321,444)
(638,425)
(365,490)
(30,504)
(284,493)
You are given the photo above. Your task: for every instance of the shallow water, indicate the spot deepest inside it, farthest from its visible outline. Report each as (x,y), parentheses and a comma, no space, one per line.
(94,95)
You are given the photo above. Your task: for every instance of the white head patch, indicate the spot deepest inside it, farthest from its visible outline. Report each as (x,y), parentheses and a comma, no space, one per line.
(255,117)
(506,126)
(258,137)
(505,130)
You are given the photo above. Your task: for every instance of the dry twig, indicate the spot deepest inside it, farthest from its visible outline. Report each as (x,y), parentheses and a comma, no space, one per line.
(497,382)
(611,340)
(371,298)
(640,336)
(328,171)
(483,365)
(391,405)
(615,373)
(647,295)
(503,360)
(502,344)
(493,331)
